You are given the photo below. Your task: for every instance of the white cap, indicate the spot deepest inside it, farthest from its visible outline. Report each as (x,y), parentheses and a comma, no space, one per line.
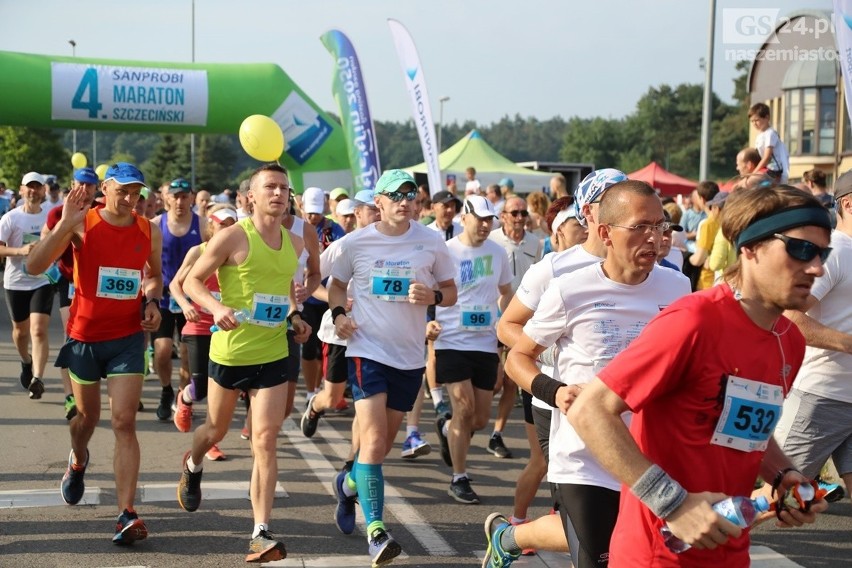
(313,200)
(560,218)
(345,207)
(224,213)
(479,206)
(31,177)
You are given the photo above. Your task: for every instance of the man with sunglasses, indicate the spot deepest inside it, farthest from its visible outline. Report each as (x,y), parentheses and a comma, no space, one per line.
(181,229)
(817,420)
(705,406)
(523,250)
(398,268)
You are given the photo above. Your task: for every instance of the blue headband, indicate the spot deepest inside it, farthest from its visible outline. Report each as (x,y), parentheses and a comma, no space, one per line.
(784,220)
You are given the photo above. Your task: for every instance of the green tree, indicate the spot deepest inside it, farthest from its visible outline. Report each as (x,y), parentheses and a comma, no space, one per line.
(168,161)
(215,159)
(24,149)
(599,141)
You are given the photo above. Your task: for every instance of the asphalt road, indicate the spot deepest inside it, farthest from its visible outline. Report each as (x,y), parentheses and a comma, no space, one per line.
(433,529)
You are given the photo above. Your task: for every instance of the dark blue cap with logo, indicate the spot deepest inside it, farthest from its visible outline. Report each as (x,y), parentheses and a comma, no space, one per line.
(86,175)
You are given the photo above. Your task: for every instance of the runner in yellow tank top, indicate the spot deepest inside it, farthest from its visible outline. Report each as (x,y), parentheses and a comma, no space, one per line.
(256,263)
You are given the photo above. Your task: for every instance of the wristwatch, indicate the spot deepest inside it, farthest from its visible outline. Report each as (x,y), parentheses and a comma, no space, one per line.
(439,297)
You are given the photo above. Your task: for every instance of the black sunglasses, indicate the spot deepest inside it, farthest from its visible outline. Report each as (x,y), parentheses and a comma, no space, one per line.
(397,196)
(803,250)
(179,183)
(516,212)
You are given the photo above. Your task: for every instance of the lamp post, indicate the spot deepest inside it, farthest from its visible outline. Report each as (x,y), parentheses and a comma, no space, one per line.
(441,102)
(704,160)
(73,132)
(192,135)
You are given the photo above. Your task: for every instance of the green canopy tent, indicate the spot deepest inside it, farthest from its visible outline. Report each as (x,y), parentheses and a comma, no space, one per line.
(473,151)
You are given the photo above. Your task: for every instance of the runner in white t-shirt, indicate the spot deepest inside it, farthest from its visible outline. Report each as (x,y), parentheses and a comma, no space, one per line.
(399,267)
(592,314)
(466,357)
(510,328)
(817,419)
(29,297)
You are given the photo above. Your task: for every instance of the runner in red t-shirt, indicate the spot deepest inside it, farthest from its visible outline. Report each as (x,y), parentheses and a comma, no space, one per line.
(706,380)
(117,283)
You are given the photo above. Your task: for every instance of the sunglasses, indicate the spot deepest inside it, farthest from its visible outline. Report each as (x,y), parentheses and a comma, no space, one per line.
(180,184)
(398,196)
(517,212)
(803,250)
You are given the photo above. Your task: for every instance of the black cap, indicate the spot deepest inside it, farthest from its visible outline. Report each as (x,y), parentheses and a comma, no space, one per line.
(446,197)
(843,185)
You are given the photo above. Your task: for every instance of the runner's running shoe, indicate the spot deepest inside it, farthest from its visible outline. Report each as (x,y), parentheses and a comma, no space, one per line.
(833,491)
(461,491)
(497,447)
(445,443)
(414,446)
(189,487)
(36,388)
(164,411)
(215,454)
(383,548)
(26,374)
(183,414)
(344,515)
(73,485)
(310,419)
(129,528)
(264,548)
(495,557)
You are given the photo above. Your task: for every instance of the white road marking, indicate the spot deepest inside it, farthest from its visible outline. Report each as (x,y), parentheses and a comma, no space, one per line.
(426,535)
(26,498)
(163,492)
(326,562)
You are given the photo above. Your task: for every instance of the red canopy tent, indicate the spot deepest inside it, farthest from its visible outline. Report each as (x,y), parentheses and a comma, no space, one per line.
(668,183)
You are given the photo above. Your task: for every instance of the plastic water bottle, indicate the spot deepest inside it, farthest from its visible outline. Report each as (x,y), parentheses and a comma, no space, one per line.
(741,511)
(240,315)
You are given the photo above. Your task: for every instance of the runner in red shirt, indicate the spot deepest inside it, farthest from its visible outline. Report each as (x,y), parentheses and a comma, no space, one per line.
(112,305)
(706,380)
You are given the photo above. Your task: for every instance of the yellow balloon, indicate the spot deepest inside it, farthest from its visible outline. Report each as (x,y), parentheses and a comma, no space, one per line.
(101,171)
(261,138)
(78,160)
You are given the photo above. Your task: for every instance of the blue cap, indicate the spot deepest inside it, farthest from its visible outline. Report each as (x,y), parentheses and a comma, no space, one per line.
(364,197)
(392,180)
(123,174)
(507,182)
(86,175)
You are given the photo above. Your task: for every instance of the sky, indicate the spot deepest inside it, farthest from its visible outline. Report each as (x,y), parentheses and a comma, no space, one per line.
(492,58)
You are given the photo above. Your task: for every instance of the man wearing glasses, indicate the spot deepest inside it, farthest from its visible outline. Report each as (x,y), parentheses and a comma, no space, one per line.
(182,230)
(592,314)
(398,268)
(523,249)
(705,406)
